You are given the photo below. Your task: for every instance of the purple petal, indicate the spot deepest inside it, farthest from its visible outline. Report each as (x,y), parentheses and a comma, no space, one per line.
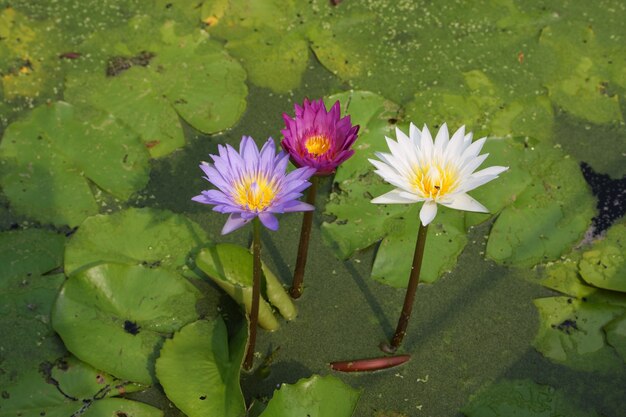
(269,220)
(296,205)
(234,222)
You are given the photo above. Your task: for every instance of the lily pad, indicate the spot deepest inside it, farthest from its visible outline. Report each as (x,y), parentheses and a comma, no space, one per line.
(540,223)
(522,398)
(67,387)
(616,335)
(211,386)
(255,34)
(26,299)
(604,265)
(114,316)
(150,84)
(445,241)
(135,236)
(48,160)
(29,252)
(571,333)
(230,267)
(317,396)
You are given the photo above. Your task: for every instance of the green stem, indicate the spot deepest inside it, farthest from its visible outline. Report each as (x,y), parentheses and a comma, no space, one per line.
(256,290)
(303,247)
(410,292)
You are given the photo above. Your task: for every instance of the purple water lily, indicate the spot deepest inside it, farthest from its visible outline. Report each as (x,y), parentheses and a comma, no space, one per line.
(318,138)
(253,183)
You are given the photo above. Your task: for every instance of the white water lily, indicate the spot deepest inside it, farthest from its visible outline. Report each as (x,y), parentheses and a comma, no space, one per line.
(439,172)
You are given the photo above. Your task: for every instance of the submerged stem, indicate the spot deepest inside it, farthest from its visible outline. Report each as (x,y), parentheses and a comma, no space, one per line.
(256,290)
(410,292)
(303,247)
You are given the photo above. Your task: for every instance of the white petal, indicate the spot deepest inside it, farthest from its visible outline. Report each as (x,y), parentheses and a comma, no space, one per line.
(401,136)
(494,170)
(474,182)
(463,201)
(469,166)
(426,144)
(415,135)
(455,147)
(395,197)
(442,139)
(428,212)
(473,149)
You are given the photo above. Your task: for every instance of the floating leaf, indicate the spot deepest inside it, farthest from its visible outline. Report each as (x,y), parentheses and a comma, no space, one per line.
(230,267)
(26,299)
(67,387)
(604,265)
(114,316)
(571,333)
(211,386)
(134,236)
(255,34)
(522,398)
(30,251)
(548,216)
(49,158)
(317,396)
(151,84)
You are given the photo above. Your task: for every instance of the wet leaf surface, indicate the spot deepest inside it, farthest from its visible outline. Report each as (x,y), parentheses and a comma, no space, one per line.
(211,385)
(115,317)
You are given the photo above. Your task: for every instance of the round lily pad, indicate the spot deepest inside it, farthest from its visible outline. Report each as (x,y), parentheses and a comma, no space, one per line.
(114,316)
(50,158)
(604,265)
(211,386)
(571,333)
(68,387)
(317,396)
(150,83)
(134,236)
(30,252)
(522,398)
(616,335)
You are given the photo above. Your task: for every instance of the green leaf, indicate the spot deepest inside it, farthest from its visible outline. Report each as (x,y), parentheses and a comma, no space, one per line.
(67,386)
(30,251)
(445,241)
(114,316)
(522,398)
(230,267)
(540,224)
(151,83)
(255,33)
(134,236)
(316,396)
(571,333)
(49,158)
(616,335)
(604,264)
(211,386)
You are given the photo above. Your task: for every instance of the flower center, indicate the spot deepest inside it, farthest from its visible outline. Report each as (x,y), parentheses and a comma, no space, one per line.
(317,145)
(434,181)
(254,192)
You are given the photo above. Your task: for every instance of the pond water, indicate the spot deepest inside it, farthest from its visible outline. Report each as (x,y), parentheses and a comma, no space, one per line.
(109,107)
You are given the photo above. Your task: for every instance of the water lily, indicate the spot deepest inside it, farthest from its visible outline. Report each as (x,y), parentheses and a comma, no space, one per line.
(253,185)
(321,140)
(439,172)
(318,138)
(433,172)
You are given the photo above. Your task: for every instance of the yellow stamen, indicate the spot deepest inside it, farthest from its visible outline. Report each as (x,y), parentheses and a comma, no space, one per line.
(317,145)
(434,181)
(254,192)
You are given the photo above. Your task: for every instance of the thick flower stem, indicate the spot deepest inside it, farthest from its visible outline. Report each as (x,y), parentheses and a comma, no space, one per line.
(303,247)
(256,290)
(410,292)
